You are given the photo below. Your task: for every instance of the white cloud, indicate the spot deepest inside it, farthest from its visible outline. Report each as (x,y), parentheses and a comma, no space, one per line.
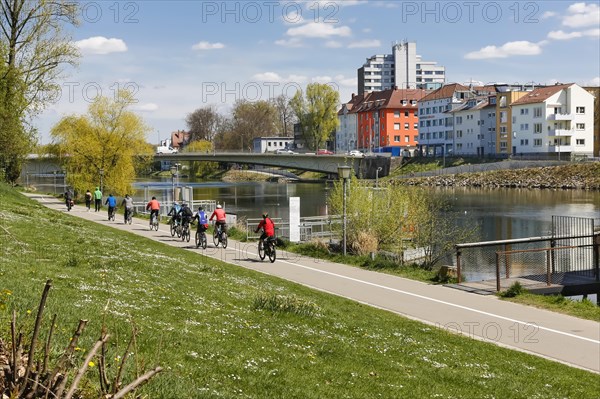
(275,77)
(367,30)
(319,30)
(292,42)
(560,35)
(509,49)
(592,33)
(582,14)
(344,81)
(204,45)
(549,14)
(148,107)
(365,44)
(333,44)
(101,45)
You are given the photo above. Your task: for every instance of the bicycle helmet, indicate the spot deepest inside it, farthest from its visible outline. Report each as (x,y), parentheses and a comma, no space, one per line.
(219,206)
(200,208)
(265,215)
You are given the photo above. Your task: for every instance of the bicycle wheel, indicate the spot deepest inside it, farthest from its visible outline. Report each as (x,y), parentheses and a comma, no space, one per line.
(272,254)
(198,239)
(204,240)
(178,231)
(188,236)
(172,229)
(261,250)
(156,223)
(224,239)
(216,238)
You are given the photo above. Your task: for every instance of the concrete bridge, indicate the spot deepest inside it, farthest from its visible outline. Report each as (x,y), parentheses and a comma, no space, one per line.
(363,167)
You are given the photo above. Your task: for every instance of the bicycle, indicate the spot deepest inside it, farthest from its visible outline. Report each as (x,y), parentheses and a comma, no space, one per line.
(219,236)
(128,216)
(185,232)
(267,248)
(175,228)
(200,239)
(154,222)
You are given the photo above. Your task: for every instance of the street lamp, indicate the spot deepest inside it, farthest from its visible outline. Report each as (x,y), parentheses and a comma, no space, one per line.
(101,172)
(377,176)
(173,174)
(344,173)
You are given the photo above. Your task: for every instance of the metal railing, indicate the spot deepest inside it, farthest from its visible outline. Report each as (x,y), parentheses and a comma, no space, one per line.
(310,227)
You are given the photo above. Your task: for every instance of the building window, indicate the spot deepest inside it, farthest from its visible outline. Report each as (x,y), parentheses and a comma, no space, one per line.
(524,126)
(537,112)
(397,139)
(268,143)
(580,142)
(406,126)
(580,126)
(396,114)
(537,142)
(396,126)
(580,110)
(405,113)
(503,102)
(416,126)
(459,120)
(503,117)
(524,111)
(537,127)
(503,145)
(524,142)
(407,139)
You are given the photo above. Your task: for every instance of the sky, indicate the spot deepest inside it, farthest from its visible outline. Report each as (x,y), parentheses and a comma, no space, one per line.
(178,56)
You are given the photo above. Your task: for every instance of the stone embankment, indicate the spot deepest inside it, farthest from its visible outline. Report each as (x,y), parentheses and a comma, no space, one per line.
(583,176)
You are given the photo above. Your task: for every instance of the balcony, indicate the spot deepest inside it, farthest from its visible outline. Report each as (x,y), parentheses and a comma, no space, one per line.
(560,133)
(560,148)
(560,117)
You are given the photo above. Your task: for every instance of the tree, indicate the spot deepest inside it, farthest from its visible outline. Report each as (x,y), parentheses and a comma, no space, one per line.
(285,124)
(250,120)
(204,123)
(198,168)
(34,49)
(109,140)
(316,113)
(391,215)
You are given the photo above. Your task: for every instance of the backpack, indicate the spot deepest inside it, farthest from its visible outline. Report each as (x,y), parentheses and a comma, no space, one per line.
(187,211)
(202,218)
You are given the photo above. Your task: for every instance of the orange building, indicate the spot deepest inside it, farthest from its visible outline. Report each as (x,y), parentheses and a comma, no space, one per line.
(388,118)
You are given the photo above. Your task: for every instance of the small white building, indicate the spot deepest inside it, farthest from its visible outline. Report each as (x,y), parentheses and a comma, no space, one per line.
(475,127)
(271,144)
(554,120)
(346,134)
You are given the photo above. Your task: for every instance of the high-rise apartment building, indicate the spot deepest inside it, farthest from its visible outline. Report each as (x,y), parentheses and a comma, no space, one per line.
(403,69)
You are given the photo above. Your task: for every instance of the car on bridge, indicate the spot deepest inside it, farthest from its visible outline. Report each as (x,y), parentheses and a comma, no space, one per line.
(324,152)
(284,151)
(355,153)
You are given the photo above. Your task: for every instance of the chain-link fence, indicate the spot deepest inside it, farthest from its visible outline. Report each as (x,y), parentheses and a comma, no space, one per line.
(549,260)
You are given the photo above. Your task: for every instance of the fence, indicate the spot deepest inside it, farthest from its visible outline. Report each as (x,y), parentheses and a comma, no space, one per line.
(310,227)
(541,259)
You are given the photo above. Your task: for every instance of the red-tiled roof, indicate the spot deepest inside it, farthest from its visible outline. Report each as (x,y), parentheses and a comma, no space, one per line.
(386,99)
(446,91)
(541,94)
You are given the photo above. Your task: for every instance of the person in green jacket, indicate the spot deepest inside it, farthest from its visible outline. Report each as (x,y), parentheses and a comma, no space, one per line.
(98,198)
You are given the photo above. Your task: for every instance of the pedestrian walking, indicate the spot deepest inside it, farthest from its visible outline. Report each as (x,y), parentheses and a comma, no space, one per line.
(98,199)
(88,200)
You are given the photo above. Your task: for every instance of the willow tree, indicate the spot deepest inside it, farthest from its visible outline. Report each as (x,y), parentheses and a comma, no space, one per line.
(109,141)
(34,49)
(316,113)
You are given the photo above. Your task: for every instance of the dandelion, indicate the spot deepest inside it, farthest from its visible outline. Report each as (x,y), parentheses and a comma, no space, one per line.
(91,364)
(28,311)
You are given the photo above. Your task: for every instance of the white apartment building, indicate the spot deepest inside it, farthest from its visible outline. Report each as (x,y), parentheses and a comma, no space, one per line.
(554,120)
(475,127)
(403,69)
(346,134)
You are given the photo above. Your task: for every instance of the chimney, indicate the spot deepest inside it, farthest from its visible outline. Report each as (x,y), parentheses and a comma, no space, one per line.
(353,95)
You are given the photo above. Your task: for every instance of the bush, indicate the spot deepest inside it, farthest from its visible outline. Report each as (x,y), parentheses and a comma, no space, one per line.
(513,291)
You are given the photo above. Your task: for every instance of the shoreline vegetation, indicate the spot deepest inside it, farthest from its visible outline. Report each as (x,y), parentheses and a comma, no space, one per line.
(220,330)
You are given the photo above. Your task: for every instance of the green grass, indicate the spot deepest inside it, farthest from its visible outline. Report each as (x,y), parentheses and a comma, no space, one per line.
(222,331)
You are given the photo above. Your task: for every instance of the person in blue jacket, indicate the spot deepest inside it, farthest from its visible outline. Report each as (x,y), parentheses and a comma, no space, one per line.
(112,204)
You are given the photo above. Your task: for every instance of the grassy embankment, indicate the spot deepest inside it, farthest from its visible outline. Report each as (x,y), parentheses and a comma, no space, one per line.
(223,331)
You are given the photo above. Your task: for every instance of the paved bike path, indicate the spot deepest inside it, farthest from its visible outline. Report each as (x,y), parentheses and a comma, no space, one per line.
(548,334)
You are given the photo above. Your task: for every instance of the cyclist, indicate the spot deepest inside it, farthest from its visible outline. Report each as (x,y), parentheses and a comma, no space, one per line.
(185,214)
(68,199)
(154,207)
(202,219)
(128,203)
(173,212)
(219,213)
(112,204)
(267,226)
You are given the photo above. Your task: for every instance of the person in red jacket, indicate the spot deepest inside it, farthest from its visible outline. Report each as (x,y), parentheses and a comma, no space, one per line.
(219,213)
(267,226)
(154,208)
